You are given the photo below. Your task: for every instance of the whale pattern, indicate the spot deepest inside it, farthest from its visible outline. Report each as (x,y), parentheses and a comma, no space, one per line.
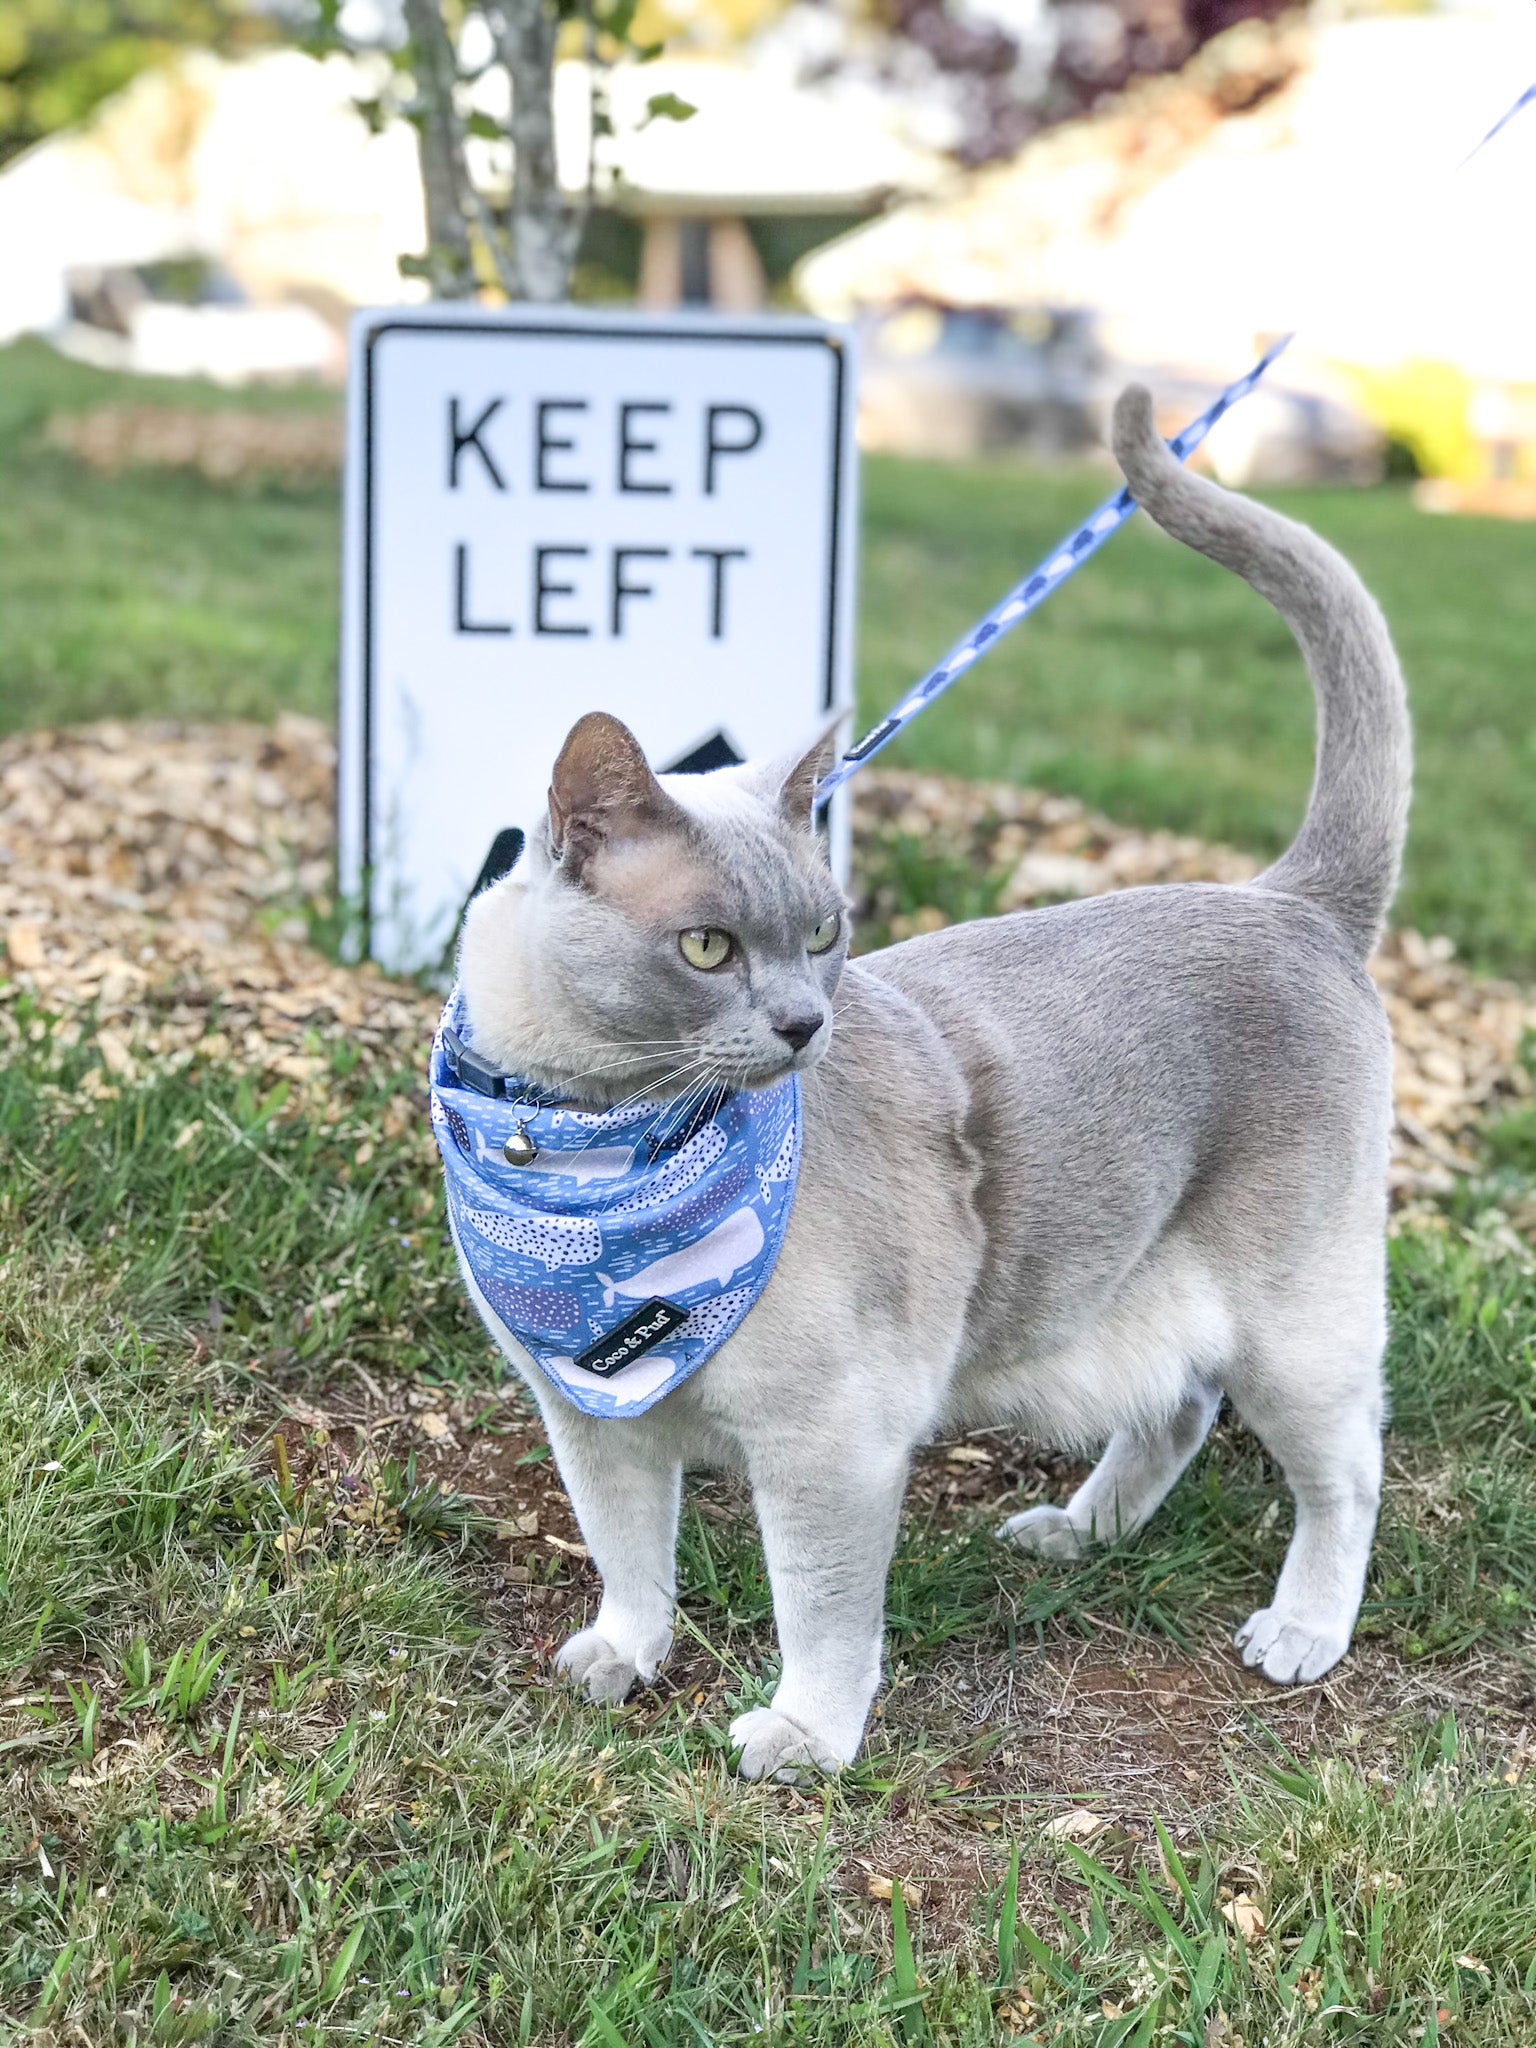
(459,1128)
(710,1202)
(564,1251)
(674,1174)
(545,1310)
(650,1375)
(556,1240)
(714,1320)
(642,1112)
(783,1163)
(715,1256)
(586,1162)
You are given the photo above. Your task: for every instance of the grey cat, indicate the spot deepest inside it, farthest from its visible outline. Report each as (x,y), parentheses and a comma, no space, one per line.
(1079,1171)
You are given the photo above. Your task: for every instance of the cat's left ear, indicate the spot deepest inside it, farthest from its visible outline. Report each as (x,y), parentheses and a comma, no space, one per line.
(796,779)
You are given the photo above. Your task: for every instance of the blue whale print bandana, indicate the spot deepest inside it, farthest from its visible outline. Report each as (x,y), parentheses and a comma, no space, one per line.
(627,1244)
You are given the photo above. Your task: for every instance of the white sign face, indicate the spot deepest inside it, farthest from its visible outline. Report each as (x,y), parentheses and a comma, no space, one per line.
(552,511)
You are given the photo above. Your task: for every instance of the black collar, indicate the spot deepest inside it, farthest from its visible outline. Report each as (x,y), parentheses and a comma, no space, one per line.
(470,1071)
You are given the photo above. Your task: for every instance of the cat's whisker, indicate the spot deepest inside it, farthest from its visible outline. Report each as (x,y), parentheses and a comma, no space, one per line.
(679,1106)
(655,1088)
(633,1060)
(704,1068)
(683,1106)
(607,1067)
(693,1098)
(638,1050)
(639,1094)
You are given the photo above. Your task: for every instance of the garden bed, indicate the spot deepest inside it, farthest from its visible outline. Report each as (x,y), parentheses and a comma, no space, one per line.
(163,884)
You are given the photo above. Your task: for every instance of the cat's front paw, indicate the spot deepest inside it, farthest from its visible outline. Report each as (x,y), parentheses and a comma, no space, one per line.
(590,1661)
(1289,1651)
(773,1746)
(1046,1532)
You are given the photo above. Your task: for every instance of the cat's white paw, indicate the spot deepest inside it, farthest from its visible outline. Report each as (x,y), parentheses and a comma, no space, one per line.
(1046,1532)
(590,1661)
(773,1746)
(1290,1652)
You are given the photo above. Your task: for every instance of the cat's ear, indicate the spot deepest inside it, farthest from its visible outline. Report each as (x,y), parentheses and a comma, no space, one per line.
(797,779)
(602,790)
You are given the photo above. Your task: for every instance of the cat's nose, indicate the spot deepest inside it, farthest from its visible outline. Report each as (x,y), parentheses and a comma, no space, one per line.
(797,1032)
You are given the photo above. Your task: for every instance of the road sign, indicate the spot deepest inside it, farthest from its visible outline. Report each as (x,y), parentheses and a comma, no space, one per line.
(552,511)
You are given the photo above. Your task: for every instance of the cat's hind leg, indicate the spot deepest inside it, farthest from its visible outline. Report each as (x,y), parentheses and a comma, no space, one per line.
(1125,1489)
(1323,1426)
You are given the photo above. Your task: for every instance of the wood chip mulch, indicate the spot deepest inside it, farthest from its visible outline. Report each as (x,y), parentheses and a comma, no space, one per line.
(1457,1037)
(157,882)
(223,444)
(155,889)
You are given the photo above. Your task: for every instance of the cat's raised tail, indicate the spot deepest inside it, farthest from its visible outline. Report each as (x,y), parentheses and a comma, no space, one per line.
(1347,852)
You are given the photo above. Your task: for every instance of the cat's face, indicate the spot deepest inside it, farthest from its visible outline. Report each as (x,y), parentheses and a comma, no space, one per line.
(659,935)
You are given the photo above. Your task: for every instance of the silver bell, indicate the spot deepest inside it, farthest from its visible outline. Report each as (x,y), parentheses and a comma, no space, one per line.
(520,1150)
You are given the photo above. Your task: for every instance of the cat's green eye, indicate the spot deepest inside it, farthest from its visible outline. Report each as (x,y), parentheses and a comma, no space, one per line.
(825,934)
(706,950)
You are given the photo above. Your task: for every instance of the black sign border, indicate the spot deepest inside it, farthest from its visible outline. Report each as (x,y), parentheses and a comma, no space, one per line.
(497,329)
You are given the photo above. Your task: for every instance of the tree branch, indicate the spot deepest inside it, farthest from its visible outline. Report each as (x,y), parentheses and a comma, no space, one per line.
(545,230)
(440,140)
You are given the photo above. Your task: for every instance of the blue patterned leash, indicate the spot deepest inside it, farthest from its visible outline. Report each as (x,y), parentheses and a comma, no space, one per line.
(1526,99)
(1068,556)
(1064,559)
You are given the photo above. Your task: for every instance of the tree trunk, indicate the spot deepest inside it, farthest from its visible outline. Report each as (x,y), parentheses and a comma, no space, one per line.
(545,229)
(440,139)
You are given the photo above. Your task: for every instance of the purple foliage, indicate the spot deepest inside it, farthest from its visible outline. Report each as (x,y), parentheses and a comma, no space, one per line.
(1098,49)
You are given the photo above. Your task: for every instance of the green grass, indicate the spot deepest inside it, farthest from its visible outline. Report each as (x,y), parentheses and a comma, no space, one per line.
(1155,685)
(280,1761)
(268,1773)
(1160,689)
(153,593)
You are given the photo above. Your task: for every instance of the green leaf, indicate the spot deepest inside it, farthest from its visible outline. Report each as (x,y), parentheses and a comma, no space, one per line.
(1008,1920)
(54,1983)
(1311,1942)
(1177,1871)
(601,2028)
(666,106)
(618,19)
(901,1942)
(1202,1984)
(1160,1914)
(1049,1959)
(336,1976)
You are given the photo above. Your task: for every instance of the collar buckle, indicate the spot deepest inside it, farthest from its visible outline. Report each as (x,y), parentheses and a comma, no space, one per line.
(469,1070)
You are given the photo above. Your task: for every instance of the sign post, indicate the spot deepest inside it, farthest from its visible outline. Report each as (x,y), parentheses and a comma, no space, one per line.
(553,510)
